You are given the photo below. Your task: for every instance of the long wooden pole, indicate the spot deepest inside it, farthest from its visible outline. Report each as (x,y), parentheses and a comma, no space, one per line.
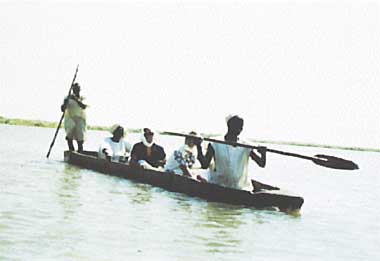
(63,115)
(322,160)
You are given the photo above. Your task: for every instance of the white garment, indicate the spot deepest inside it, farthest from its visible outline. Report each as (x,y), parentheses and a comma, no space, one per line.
(73,109)
(114,149)
(146,165)
(231,167)
(75,120)
(145,142)
(183,156)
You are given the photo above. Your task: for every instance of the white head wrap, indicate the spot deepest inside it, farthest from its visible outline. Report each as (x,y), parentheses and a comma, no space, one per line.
(143,139)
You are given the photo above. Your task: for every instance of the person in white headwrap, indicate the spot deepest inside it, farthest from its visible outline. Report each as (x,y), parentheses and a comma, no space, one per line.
(115,148)
(230,162)
(147,153)
(184,160)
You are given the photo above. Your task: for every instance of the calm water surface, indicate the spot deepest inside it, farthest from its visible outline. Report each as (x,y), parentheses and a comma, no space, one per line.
(53,211)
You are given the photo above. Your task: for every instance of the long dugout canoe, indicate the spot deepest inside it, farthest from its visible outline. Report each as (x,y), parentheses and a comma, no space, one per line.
(264,196)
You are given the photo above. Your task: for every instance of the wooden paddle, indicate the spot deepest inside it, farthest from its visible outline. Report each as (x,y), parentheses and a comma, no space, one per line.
(63,115)
(320,159)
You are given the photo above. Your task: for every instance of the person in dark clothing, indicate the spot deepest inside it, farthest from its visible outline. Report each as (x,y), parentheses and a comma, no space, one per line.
(146,153)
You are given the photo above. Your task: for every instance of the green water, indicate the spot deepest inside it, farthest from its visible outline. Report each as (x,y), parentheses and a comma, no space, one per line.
(53,211)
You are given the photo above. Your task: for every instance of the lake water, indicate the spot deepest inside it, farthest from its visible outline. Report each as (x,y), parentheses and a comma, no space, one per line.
(50,210)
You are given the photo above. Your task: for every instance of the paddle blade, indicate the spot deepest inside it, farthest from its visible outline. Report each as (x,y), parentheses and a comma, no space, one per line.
(334,162)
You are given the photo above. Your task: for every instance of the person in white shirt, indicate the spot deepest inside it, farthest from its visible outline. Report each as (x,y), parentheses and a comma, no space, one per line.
(115,148)
(184,160)
(230,162)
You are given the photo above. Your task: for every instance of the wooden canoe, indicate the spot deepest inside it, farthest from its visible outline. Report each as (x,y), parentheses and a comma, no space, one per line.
(264,196)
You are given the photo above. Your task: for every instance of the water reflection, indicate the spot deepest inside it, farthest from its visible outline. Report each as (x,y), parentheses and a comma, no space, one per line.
(182,202)
(142,194)
(223,223)
(222,215)
(218,227)
(67,191)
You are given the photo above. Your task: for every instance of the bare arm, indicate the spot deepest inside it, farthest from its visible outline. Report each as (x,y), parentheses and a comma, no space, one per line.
(64,105)
(205,159)
(162,157)
(185,170)
(133,158)
(262,159)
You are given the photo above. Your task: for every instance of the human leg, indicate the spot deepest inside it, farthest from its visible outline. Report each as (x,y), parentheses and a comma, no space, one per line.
(80,146)
(70,144)
(80,132)
(69,128)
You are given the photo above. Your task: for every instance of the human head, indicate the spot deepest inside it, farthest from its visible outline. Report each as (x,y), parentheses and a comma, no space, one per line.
(190,141)
(117,132)
(76,88)
(148,134)
(235,124)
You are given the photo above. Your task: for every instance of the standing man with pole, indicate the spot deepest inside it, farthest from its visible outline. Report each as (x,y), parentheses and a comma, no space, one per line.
(75,118)
(63,115)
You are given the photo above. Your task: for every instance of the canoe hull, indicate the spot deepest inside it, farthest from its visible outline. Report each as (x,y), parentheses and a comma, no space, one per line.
(269,197)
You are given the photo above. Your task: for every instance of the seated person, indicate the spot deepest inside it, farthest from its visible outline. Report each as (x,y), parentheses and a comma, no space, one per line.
(146,153)
(115,148)
(184,160)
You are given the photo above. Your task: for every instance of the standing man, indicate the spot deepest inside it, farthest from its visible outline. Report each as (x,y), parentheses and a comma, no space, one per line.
(75,118)
(231,162)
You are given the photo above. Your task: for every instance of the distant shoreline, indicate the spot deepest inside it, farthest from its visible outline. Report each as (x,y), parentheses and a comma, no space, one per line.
(49,124)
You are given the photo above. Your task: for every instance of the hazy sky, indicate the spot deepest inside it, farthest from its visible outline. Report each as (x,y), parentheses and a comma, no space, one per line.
(303,71)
